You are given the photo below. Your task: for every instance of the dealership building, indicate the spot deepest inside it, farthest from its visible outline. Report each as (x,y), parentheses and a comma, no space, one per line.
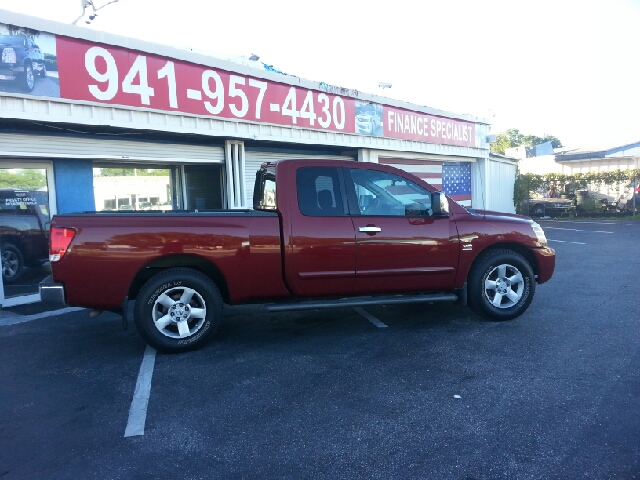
(93,121)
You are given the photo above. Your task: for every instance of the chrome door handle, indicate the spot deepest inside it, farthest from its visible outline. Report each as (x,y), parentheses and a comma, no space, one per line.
(369,229)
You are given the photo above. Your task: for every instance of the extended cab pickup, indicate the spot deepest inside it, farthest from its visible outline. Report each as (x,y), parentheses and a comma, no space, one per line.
(321,234)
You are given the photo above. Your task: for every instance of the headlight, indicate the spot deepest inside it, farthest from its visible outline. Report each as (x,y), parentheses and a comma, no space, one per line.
(8,55)
(537,229)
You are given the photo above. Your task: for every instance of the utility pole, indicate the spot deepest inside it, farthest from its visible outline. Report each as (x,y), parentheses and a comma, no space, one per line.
(89,4)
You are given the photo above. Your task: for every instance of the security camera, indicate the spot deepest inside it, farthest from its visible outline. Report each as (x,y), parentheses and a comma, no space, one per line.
(385,85)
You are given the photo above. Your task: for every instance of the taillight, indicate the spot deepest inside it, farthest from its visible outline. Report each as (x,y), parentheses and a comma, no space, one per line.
(59,242)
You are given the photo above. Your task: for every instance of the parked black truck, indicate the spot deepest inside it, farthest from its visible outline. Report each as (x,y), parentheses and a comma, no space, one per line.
(24,231)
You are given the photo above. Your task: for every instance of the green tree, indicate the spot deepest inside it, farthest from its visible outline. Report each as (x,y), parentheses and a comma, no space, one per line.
(508,139)
(116,172)
(514,138)
(130,172)
(28,179)
(531,140)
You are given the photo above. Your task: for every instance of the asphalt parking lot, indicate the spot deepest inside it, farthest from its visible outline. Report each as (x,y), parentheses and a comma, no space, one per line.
(414,391)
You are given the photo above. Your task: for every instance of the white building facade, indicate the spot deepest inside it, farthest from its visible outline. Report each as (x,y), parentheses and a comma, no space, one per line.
(121,124)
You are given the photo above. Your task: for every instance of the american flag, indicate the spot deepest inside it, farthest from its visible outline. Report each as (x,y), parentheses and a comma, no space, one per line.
(453,178)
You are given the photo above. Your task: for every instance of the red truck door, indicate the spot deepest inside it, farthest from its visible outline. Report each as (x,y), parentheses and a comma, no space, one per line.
(400,246)
(319,238)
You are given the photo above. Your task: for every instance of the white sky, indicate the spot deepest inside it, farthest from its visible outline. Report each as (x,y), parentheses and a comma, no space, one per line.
(570,68)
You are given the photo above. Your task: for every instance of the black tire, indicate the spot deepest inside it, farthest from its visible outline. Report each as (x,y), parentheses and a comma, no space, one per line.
(28,79)
(538,210)
(500,268)
(171,285)
(12,263)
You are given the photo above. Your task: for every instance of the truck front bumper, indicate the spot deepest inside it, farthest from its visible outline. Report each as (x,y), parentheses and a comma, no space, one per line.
(546,258)
(51,291)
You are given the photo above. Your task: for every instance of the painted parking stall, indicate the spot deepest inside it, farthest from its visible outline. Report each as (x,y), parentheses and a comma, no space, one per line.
(581,232)
(334,394)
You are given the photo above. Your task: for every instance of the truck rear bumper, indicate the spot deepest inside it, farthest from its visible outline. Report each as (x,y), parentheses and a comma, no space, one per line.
(51,291)
(10,71)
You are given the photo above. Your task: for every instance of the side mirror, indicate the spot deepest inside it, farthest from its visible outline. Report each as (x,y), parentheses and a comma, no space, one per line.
(439,204)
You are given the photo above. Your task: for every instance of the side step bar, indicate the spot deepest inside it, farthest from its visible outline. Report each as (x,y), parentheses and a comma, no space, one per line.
(360,302)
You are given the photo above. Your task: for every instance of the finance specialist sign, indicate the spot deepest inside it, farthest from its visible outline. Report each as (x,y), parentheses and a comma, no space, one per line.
(86,71)
(405,124)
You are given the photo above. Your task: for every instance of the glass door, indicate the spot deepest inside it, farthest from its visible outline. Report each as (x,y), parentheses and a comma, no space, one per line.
(24,230)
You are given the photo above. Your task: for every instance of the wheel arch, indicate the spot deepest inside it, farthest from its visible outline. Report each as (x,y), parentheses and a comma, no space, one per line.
(184,261)
(515,247)
(542,206)
(15,240)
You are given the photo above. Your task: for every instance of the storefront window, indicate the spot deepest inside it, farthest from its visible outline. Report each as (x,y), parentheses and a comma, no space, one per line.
(136,187)
(24,229)
(157,187)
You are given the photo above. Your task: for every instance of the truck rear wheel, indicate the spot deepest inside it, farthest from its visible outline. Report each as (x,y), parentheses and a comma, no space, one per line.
(501,285)
(12,263)
(28,78)
(178,310)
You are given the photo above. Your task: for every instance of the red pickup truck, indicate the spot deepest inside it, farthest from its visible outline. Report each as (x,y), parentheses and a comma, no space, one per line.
(321,234)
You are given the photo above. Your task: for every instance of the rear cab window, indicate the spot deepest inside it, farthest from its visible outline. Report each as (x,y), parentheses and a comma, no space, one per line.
(318,190)
(264,194)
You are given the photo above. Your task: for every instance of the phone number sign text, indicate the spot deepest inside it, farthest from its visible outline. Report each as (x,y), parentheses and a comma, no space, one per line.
(115,75)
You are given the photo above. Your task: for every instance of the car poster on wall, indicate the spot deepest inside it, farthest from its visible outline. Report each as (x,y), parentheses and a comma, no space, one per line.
(369,118)
(45,65)
(28,62)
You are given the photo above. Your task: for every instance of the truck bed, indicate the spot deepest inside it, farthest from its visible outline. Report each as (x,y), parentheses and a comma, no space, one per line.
(243,246)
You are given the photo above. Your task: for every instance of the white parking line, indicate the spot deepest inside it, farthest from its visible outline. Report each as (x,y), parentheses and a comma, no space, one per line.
(370,317)
(564,241)
(10,318)
(138,410)
(580,221)
(577,230)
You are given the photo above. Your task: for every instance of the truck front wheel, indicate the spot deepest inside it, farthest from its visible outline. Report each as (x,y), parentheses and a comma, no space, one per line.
(501,285)
(178,310)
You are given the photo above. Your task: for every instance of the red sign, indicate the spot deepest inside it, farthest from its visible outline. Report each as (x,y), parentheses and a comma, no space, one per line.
(408,125)
(117,76)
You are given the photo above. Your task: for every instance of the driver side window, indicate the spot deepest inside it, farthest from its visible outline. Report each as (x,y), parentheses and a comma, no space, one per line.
(387,194)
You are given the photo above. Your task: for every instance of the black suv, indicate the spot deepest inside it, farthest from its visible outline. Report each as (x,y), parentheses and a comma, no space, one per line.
(21,59)
(24,231)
